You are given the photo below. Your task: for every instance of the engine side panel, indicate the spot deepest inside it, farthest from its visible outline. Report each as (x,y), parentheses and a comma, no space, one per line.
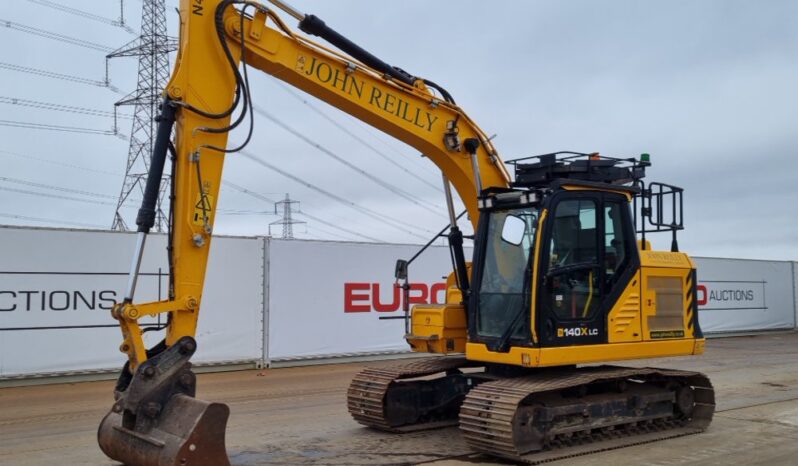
(586,354)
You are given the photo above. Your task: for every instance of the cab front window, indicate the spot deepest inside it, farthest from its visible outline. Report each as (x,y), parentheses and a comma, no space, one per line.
(505,282)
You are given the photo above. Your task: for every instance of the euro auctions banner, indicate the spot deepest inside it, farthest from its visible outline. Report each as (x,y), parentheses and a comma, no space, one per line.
(326,298)
(57,288)
(739,295)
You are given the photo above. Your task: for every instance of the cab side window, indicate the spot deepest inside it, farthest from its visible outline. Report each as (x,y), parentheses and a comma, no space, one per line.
(573,269)
(616,243)
(574,237)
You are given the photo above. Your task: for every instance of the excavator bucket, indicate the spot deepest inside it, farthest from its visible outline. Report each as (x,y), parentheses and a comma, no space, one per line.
(190,432)
(156,421)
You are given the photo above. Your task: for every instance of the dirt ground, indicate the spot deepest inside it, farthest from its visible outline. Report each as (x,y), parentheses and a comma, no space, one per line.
(298,416)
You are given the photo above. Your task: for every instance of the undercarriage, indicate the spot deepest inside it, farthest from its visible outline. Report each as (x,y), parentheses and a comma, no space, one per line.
(538,416)
(412,396)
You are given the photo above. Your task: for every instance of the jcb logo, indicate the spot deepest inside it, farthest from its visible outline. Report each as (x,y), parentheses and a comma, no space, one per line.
(576,332)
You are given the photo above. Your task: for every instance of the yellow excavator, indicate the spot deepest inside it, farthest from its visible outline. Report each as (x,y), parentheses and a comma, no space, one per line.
(558,283)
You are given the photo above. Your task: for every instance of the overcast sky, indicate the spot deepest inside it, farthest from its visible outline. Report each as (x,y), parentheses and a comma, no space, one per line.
(708,88)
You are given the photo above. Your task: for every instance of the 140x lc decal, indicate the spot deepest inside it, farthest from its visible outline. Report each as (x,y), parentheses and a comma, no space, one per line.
(577,332)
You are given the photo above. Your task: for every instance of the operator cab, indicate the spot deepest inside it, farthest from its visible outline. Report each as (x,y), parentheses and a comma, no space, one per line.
(574,268)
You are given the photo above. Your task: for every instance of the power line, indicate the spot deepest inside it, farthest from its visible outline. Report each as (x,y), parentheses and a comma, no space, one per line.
(230,184)
(60,164)
(63,108)
(61,76)
(246,191)
(333,225)
(50,220)
(54,36)
(106,196)
(328,232)
(60,189)
(34,184)
(243,212)
(250,193)
(364,210)
(382,183)
(380,137)
(85,14)
(66,129)
(346,230)
(60,197)
(261,197)
(318,237)
(359,139)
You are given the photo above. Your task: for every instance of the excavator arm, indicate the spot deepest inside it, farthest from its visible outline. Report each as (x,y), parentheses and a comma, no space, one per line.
(156,420)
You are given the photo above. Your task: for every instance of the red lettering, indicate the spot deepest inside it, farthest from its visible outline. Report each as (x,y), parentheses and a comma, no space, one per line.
(365,297)
(375,299)
(350,297)
(435,290)
(423,295)
(701,291)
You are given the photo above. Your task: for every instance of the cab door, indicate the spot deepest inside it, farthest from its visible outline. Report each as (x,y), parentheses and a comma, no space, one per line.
(586,255)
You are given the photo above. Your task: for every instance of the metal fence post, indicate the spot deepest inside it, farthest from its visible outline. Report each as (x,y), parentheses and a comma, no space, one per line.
(266,362)
(794,297)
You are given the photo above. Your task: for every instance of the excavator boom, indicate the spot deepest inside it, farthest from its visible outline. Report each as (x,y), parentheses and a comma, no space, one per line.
(205,87)
(156,420)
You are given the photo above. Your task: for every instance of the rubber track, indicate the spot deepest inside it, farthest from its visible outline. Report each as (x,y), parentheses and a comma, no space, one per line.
(365,397)
(486,417)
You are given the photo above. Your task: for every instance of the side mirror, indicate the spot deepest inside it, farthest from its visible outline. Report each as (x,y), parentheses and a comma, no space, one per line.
(401,270)
(513,230)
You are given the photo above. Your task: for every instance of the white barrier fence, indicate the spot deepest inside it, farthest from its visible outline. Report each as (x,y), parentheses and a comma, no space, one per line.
(57,287)
(269,300)
(326,298)
(736,295)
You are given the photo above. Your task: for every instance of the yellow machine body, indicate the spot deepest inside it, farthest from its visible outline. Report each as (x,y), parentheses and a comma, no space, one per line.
(438,328)
(652,318)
